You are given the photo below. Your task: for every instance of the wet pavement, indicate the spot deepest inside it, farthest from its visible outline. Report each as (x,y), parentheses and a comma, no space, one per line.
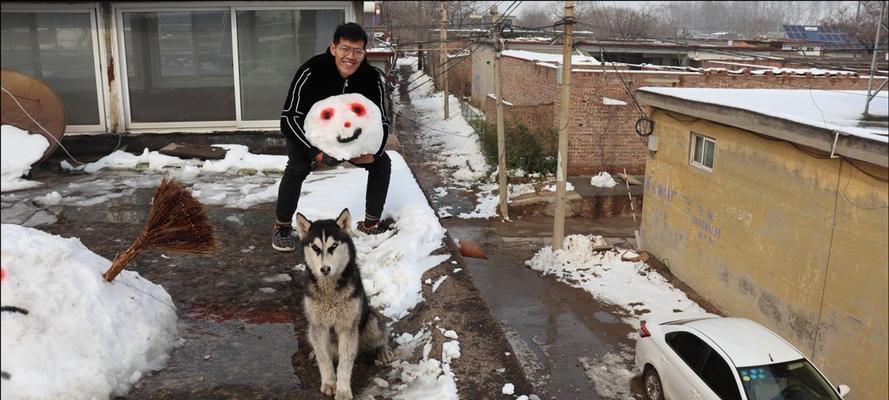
(243,335)
(553,328)
(240,320)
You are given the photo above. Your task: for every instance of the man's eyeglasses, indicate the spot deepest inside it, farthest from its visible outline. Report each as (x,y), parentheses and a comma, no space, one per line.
(346,50)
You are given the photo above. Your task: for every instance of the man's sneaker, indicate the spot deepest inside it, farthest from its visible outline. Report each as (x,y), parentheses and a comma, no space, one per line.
(283,238)
(374,228)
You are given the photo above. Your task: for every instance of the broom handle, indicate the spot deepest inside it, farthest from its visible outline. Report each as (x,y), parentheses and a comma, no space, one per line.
(123,259)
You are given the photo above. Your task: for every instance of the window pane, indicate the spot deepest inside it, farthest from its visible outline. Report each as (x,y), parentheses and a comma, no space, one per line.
(698,148)
(791,380)
(691,349)
(179,66)
(56,48)
(708,153)
(718,376)
(272,45)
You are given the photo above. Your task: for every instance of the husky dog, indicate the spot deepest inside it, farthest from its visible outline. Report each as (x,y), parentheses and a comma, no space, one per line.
(340,318)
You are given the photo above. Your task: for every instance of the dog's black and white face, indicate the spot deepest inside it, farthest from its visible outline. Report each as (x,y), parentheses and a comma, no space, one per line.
(326,245)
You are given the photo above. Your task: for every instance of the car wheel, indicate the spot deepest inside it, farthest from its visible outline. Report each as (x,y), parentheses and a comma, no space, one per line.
(653,388)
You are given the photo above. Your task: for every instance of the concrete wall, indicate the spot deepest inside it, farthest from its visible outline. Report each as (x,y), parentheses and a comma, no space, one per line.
(482,74)
(797,243)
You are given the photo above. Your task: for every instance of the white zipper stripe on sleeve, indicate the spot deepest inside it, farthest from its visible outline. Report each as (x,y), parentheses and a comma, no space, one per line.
(297,89)
(294,130)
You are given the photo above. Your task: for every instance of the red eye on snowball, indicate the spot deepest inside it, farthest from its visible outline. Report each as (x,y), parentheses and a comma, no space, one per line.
(358,109)
(327,114)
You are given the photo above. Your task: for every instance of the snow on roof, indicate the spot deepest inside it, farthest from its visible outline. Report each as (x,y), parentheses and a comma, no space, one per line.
(550,58)
(828,109)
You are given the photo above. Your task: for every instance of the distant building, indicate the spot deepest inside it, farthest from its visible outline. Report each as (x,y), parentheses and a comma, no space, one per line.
(168,66)
(774,205)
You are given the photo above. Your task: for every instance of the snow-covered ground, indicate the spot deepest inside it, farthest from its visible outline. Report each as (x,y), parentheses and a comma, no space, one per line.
(392,264)
(71,335)
(633,286)
(455,147)
(19,150)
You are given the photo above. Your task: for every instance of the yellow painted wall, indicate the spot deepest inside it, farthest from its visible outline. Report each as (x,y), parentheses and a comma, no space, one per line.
(756,237)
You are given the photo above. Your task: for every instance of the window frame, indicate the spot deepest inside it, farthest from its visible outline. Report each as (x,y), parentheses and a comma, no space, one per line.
(693,147)
(232,8)
(98,54)
(710,350)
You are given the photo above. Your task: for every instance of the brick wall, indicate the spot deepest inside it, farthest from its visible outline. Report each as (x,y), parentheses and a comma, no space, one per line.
(459,70)
(602,137)
(534,116)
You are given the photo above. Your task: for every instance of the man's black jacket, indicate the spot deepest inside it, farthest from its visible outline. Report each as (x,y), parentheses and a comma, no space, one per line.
(319,79)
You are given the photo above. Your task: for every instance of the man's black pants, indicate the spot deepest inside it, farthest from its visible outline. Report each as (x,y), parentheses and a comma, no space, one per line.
(299,164)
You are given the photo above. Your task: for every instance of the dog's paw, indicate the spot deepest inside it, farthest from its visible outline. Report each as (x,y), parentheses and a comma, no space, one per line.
(328,389)
(344,394)
(385,356)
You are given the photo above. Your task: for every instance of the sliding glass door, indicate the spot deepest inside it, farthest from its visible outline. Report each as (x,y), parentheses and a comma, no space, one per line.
(59,49)
(217,66)
(272,44)
(179,66)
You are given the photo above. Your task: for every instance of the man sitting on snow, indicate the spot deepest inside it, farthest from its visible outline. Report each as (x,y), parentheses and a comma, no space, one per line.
(340,69)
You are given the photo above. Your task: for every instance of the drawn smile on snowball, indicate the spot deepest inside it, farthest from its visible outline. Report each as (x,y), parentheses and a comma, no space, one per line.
(354,136)
(345,126)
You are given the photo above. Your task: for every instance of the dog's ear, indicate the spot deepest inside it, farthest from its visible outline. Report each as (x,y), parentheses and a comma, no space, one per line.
(302,225)
(345,221)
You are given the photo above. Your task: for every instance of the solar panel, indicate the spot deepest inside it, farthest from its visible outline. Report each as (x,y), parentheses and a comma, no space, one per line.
(832,38)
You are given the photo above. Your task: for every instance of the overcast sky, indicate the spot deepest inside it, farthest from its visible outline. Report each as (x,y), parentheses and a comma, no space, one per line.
(502,5)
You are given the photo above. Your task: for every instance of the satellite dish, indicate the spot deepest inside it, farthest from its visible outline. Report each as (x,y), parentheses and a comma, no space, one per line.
(36,99)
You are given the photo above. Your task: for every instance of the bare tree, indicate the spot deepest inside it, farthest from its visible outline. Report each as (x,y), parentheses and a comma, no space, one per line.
(412,21)
(864,26)
(535,16)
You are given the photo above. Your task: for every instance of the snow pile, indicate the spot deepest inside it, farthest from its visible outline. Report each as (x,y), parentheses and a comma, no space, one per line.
(459,152)
(429,378)
(239,158)
(604,179)
(81,337)
(392,265)
(611,374)
(20,150)
(406,61)
(611,280)
(552,188)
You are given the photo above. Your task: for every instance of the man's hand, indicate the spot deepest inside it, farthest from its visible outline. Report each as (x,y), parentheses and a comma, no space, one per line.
(363,159)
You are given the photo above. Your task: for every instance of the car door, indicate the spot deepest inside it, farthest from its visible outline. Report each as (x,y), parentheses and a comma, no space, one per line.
(680,376)
(719,376)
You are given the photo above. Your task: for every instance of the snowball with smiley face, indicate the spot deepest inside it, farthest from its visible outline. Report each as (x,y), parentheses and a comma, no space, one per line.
(345,126)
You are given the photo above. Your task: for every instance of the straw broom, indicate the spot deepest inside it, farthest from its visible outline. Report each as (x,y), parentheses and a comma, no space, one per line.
(177,222)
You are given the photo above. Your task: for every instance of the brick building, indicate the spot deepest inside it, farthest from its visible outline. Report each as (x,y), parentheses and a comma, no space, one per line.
(603,115)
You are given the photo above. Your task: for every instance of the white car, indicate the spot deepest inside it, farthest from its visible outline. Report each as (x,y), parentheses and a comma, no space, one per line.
(690,356)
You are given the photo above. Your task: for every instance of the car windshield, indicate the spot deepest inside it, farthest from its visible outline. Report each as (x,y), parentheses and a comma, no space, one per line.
(795,380)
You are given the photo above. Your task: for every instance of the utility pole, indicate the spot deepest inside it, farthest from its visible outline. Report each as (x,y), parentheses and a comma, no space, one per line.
(501,136)
(873,63)
(564,108)
(443,55)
